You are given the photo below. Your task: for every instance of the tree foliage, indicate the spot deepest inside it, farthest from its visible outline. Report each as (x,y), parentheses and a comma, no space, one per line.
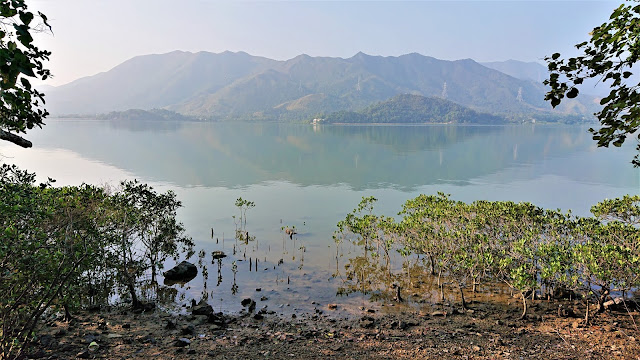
(610,54)
(74,246)
(533,250)
(49,236)
(20,60)
(415,109)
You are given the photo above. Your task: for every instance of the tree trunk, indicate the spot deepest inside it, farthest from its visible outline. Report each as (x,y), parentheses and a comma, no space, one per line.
(67,313)
(464,303)
(135,303)
(602,299)
(432,265)
(524,306)
(586,316)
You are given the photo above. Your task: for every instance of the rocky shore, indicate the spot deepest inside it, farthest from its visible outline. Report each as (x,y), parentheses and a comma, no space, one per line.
(485,331)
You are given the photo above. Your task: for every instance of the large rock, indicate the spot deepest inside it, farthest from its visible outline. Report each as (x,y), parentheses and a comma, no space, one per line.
(202,309)
(183,272)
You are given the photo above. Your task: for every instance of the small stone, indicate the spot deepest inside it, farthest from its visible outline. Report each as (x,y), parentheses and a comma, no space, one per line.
(126,326)
(188,330)
(475,348)
(258,316)
(170,325)
(191,351)
(182,342)
(258,289)
(439,313)
(264,298)
(90,338)
(332,306)
(200,319)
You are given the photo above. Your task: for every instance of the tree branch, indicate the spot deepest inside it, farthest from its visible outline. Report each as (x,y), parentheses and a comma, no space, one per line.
(18,140)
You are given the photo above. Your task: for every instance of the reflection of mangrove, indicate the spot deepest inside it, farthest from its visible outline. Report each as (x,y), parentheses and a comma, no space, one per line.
(245,249)
(234,286)
(205,275)
(153,292)
(538,253)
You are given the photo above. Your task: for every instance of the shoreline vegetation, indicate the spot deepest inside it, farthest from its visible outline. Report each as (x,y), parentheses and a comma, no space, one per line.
(73,248)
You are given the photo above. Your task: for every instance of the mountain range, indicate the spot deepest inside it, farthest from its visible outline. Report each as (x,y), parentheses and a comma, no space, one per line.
(229,85)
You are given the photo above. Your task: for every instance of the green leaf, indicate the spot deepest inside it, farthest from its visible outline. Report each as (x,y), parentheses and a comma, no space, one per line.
(572,93)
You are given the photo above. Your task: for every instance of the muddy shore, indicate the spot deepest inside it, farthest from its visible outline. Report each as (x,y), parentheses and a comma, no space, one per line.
(485,331)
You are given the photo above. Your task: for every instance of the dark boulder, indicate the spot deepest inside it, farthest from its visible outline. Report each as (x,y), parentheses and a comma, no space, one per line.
(202,309)
(183,272)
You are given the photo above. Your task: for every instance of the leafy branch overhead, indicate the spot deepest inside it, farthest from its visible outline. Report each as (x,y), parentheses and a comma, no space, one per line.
(20,59)
(608,56)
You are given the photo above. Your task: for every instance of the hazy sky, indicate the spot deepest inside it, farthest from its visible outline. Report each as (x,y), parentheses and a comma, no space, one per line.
(91,36)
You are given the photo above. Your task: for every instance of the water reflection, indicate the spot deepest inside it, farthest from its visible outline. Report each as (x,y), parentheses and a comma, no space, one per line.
(238,155)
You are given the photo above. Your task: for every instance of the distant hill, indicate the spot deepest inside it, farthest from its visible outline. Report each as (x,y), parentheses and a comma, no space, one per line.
(537,72)
(231,86)
(153,81)
(415,109)
(144,115)
(533,71)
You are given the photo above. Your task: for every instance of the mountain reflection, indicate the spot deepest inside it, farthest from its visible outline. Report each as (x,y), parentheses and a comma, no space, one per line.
(362,157)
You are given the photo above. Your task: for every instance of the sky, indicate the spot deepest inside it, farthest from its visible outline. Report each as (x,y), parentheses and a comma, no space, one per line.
(92,36)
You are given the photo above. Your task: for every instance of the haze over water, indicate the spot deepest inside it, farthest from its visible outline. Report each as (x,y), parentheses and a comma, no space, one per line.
(310,177)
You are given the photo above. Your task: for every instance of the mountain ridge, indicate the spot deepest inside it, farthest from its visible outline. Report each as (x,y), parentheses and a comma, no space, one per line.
(228,86)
